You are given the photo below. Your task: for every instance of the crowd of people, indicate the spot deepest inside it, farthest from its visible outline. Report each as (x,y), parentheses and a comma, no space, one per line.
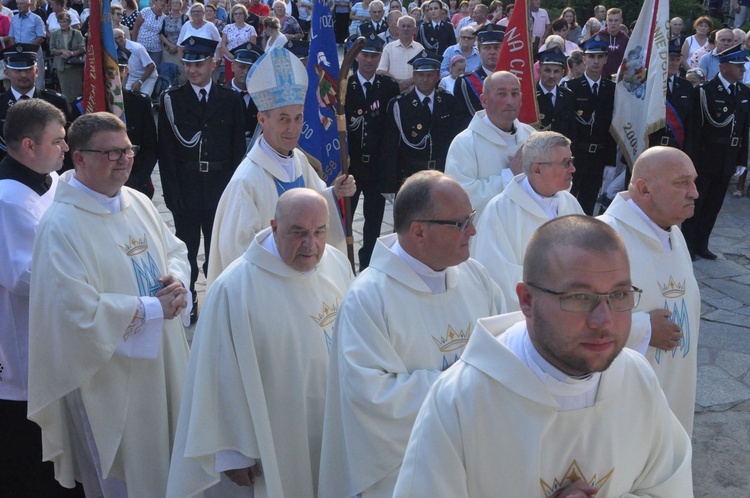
(501,312)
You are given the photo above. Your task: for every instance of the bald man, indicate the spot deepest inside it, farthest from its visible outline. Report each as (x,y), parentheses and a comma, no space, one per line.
(485,157)
(662,195)
(267,369)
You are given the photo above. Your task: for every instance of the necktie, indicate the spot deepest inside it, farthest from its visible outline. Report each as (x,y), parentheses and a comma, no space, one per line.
(204,99)
(548,97)
(368,88)
(377,26)
(25,97)
(426,104)
(595,89)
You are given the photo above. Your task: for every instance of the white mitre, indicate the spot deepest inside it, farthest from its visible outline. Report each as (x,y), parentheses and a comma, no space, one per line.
(277,79)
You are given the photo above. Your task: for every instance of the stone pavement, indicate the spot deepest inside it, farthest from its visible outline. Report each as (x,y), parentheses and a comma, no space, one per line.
(721,439)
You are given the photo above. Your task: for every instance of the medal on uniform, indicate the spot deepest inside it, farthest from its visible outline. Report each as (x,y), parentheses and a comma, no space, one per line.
(359,111)
(724,109)
(419,127)
(541,116)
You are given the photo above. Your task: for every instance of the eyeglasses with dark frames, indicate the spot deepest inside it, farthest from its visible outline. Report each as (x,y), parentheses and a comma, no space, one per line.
(565,163)
(116,154)
(461,225)
(585,302)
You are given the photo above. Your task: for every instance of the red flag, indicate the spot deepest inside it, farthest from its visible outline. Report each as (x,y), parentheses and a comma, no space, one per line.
(516,56)
(102,88)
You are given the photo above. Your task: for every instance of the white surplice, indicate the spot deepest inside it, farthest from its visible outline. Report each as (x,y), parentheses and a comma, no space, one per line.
(257,375)
(668,282)
(89,268)
(479,158)
(490,427)
(393,337)
(249,201)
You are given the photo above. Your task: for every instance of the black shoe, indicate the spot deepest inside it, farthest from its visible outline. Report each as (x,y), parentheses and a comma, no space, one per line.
(706,254)
(194,311)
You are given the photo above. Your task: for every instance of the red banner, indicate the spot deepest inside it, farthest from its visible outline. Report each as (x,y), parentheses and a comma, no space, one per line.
(516,56)
(102,88)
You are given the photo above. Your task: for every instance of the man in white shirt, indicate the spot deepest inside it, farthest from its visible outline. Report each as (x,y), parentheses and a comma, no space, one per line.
(485,157)
(660,197)
(142,74)
(533,198)
(264,365)
(548,402)
(111,279)
(397,54)
(403,321)
(35,135)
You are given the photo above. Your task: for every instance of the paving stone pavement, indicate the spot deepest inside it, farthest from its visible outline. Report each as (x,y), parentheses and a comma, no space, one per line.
(721,438)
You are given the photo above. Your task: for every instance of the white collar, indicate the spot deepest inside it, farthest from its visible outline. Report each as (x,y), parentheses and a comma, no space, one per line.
(422,95)
(269,244)
(548,204)
(545,91)
(112,204)
(286,163)
(362,79)
(591,82)
(18,95)
(435,280)
(661,234)
(197,89)
(724,82)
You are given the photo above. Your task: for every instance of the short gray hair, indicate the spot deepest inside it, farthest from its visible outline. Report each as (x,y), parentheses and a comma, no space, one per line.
(539,147)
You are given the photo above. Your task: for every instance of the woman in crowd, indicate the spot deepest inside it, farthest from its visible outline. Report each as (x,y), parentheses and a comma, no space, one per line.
(575,66)
(117,12)
(57,7)
(452,9)
(147,29)
(705,49)
(235,34)
(170,32)
(198,26)
(702,27)
(574,30)
(463,11)
(212,16)
(592,27)
(496,12)
(395,5)
(68,47)
(508,11)
(272,36)
(130,13)
(289,25)
(560,28)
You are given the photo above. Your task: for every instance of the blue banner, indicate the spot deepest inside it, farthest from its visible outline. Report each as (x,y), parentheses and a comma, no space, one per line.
(319,134)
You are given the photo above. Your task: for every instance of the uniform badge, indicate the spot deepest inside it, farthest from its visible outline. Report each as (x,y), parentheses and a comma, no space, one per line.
(580,112)
(541,116)
(725,109)
(359,111)
(419,127)
(352,119)
(414,134)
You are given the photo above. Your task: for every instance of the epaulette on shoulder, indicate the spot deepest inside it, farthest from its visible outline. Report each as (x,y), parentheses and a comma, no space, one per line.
(47,91)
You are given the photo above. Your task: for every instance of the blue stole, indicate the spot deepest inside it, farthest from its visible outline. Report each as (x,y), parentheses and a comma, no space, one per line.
(282,187)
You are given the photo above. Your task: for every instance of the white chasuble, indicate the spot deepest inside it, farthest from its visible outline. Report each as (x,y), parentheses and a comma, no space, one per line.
(89,267)
(489,427)
(393,338)
(249,201)
(668,282)
(257,375)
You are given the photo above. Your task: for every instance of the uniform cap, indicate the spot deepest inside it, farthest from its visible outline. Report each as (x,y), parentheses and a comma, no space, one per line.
(197,49)
(489,34)
(734,55)
(553,56)
(20,56)
(425,61)
(595,45)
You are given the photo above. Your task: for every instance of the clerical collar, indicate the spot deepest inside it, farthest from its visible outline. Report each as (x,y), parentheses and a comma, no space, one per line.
(269,244)
(548,204)
(434,279)
(17,95)
(11,169)
(363,80)
(197,89)
(571,393)
(591,82)
(509,137)
(661,234)
(285,162)
(111,204)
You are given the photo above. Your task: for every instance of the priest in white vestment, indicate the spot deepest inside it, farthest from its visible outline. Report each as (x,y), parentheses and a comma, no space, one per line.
(662,195)
(35,140)
(547,402)
(273,165)
(251,419)
(405,320)
(485,157)
(107,348)
(530,200)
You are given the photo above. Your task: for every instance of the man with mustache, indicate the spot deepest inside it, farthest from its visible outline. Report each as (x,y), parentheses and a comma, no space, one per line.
(546,402)
(662,195)
(256,383)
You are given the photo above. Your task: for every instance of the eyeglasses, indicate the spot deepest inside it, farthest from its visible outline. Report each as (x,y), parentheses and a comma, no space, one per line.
(565,163)
(116,154)
(468,37)
(585,302)
(461,225)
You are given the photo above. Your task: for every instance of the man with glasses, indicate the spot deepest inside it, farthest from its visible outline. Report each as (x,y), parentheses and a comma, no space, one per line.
(661,195)
(107,357)
(547,402)
(533,198)
(405,320)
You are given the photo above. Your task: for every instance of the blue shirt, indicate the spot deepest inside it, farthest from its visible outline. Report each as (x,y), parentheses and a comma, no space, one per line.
(710,64)
(25,28)
(473,62)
